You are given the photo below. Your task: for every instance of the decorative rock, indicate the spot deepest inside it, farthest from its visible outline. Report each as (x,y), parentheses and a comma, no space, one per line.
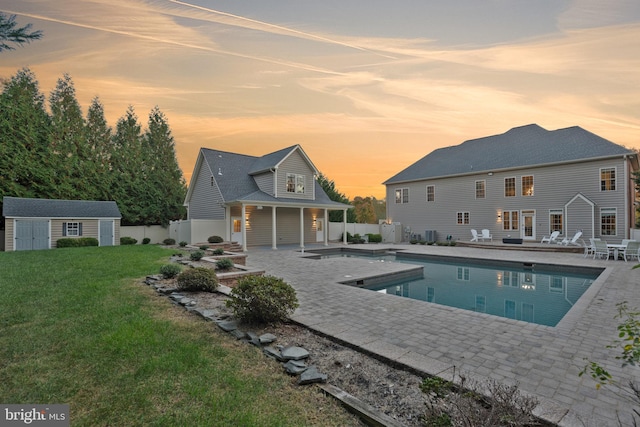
(294,353)
(253,339)
(206,313)
(294,367)
(238,334)
(267,338)
(311,375)
(227,325)
(273,353)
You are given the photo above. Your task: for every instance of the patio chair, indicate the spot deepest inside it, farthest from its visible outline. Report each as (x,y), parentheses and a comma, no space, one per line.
(573,241)
(590,249)
(551,239)
(486,234)
(602,250)
(474,233)
(632,250)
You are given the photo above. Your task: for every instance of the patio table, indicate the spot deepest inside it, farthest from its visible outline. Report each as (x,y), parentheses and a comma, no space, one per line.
(615,247)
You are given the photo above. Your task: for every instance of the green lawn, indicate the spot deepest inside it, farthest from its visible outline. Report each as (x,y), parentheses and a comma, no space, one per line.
(76,328)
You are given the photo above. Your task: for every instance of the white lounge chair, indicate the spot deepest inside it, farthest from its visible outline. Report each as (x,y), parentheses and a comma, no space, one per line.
(474,233)
(632,250)
(602,250)
(486,234)
(551,239)
(573,241)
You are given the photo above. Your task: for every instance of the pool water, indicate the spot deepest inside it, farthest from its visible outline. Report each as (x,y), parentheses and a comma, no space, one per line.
(535,294)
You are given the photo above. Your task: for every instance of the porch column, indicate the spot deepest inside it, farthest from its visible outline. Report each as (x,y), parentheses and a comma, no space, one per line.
(229,221)
(244,228)
(344,219)
(273,228)
(326,227)
(302,228)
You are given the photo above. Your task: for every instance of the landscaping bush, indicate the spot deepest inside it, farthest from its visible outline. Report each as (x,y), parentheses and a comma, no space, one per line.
(349,237)
(215,239)
(75,243)
(204,247)
(218,251)
(224,264)
(126,240)
(169,242)
(169,271)
(182,244)
(262,299)
(197,279)
(146,241)
(375,238)
(196,255)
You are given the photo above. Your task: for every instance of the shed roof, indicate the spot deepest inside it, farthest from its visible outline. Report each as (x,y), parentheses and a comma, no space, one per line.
(523,146)
(18,207)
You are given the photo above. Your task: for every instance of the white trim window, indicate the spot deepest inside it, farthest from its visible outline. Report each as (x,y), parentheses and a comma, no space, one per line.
(556,220)
(511,220)
(608,220)
(295,183)
(510,187)
(463,218)
(527,185)
(402,195)
(71,229)
(607,179)
(431,193)
(481,189)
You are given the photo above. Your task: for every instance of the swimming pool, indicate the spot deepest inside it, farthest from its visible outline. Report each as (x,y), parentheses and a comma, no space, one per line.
(540,294)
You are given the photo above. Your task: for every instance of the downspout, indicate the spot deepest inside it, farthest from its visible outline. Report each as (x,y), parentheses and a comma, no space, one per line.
(244,228)
(302,229)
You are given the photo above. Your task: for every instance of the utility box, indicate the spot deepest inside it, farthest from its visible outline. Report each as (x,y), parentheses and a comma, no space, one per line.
(391,233)
(430,236)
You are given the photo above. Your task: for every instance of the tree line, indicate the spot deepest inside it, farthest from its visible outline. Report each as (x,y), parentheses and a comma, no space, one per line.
(60,154)
(365,210)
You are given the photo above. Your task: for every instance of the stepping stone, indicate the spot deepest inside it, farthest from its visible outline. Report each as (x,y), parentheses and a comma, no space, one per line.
(267,338)
(294,353)
(227,325)
(238,334)
(206,313)
(311,375)
(273,353)
(294,367)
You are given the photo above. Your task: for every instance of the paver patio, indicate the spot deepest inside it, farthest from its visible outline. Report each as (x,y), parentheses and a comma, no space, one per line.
(544,361)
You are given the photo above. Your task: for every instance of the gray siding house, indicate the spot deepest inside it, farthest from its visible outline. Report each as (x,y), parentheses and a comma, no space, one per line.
(39,223)
(270,200)
(524,184)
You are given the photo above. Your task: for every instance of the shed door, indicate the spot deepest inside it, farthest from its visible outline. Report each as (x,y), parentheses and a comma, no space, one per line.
(31,234)
(106,232)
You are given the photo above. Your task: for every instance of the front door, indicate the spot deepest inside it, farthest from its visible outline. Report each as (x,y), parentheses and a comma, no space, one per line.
(31,235)
(236,229)
(319,230)
(528,225)
(106,232)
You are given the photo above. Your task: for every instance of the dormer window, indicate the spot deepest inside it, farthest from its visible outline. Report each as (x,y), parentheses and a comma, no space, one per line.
(295,183)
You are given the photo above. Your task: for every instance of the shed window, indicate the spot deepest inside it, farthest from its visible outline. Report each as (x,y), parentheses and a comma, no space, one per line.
(72,229)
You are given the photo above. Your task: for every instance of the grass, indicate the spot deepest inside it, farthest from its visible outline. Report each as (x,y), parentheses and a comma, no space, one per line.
(77,327)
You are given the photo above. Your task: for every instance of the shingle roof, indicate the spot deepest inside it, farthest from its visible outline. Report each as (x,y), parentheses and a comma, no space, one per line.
(523,146)
(271,160)
(17,207)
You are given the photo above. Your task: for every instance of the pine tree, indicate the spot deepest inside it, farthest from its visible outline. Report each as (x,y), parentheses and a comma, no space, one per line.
(329,187)
(98,134)
(10,34)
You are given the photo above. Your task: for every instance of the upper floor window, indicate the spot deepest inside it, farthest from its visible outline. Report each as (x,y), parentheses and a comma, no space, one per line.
(607,179)
(480,189)
(431,193)
(402,195)
(509,187)
(527,185)
(295,183)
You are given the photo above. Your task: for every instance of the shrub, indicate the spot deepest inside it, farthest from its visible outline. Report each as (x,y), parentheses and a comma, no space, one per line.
(204,247)
(146,241)
(375,238)
(126,240)
(182,244)
(262,299)
(224,264)
(349,237)
(197,279)
(169,242)
(196,255)
(218,251)
(75,243)
(169,271)
(215,239)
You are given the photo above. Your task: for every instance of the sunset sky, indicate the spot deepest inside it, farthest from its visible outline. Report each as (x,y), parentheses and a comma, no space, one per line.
(365,87)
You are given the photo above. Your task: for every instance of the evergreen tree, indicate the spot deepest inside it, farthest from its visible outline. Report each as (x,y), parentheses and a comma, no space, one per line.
(10,34)
(329,187)
(164,175)
(364,210)
(25,168)
(75,177)
(128,172)
(98,134)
